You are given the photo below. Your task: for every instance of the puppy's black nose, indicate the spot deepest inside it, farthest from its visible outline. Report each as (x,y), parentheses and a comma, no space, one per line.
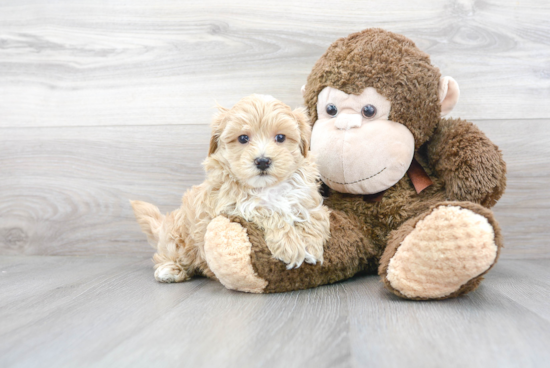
(262,163)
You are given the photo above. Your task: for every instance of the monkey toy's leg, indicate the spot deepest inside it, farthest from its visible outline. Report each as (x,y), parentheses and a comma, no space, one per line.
(442,253)
(237,254)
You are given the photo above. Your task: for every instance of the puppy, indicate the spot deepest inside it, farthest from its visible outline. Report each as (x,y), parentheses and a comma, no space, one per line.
(258,168)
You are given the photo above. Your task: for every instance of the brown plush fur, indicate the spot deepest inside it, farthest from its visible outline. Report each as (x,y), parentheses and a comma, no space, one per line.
(469,163)
(464,165)
(393,65)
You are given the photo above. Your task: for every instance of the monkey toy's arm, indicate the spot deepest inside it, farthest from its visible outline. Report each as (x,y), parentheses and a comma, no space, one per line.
(469,163)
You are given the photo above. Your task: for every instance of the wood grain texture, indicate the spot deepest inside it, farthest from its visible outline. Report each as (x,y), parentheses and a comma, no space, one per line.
(107,312)
(65,191)
(524,210)
(115,62)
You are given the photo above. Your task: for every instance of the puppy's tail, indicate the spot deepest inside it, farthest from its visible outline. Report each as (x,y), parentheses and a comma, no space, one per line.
(149,219)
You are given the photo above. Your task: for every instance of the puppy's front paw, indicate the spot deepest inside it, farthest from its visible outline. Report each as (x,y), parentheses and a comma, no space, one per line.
(314,250)
(315,234)
(294,251)
(170,272)
(287,249)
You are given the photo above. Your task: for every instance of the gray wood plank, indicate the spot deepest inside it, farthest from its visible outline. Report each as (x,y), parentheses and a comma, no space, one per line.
(65,191)
(524,281)
(236,330)
(121,317)
(524,210)
(89,312)
(68,189)
(22,278)
(483,329)
(141,63)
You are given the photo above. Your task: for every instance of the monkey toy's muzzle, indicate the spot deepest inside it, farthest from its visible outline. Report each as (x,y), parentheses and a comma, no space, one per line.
(361,157)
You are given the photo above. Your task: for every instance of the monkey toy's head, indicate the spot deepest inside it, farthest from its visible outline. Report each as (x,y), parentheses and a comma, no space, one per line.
(373,98)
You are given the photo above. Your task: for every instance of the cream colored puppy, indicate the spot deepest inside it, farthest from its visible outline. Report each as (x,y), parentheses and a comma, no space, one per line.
(258,168)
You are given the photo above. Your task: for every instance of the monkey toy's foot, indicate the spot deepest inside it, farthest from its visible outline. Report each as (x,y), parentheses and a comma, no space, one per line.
(442,253)
(228,254)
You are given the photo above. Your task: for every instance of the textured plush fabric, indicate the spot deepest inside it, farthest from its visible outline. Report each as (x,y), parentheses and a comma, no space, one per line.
(446,249)
(464,165)
(398,236)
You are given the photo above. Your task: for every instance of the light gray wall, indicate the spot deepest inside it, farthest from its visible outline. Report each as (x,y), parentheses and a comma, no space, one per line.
(105,101)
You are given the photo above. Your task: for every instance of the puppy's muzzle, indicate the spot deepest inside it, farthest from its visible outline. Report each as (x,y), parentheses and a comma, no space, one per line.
(262,163)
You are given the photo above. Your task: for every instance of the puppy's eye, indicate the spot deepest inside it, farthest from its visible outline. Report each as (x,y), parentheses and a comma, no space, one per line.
(243,139)
(280,138)
(368,111)
(331,110)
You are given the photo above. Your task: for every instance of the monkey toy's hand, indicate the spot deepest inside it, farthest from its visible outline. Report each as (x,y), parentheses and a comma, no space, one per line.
(469,163)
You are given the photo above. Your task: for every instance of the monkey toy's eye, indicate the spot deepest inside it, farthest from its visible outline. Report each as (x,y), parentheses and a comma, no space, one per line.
(243,139)
(332,110)
(368,111)
(280,138)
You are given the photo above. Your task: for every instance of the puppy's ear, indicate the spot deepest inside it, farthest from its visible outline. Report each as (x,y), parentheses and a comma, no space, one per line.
(217,128)
(149,219)
(305,129)
(213,143)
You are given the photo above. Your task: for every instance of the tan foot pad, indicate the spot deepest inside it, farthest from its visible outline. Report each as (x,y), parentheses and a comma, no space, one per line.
(227,251)
(447,248)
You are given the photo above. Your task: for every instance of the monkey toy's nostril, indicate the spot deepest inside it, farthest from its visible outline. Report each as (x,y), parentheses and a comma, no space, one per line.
(262,163)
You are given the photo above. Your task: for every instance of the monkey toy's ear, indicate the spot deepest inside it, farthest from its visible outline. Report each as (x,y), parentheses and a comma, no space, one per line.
(448,94)
(305,130)
(217,128)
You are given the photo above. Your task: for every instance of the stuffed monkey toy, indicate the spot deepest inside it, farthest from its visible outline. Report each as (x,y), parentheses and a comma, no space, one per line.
(409,191)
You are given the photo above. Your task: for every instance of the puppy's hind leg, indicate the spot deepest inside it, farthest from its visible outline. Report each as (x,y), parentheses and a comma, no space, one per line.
(169,259)
(169,269)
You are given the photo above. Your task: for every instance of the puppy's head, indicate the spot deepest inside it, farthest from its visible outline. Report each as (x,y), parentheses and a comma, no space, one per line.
(261,141)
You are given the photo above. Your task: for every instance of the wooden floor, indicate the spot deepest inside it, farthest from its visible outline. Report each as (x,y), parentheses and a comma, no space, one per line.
(109,312)
(109,100)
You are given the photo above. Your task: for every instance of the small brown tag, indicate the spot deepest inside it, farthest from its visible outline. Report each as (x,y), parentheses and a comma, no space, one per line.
(418,176)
